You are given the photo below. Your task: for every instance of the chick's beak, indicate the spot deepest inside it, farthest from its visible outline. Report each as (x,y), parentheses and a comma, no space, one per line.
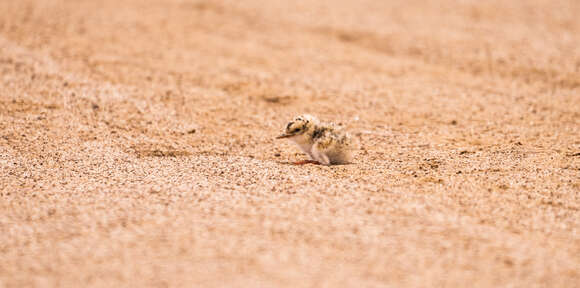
(283,136)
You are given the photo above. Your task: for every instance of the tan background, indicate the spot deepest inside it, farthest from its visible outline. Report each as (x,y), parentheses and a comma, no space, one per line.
(136,143)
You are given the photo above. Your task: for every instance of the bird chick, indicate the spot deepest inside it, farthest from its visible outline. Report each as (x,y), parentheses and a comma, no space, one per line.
(322,142)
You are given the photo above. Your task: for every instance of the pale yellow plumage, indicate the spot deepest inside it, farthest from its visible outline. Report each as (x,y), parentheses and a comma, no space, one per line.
(323,142)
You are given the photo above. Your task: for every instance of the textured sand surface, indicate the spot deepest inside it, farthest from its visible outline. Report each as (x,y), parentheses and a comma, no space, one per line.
(137,143)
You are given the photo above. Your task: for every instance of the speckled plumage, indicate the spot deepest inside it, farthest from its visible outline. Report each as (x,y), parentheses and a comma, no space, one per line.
(322,142)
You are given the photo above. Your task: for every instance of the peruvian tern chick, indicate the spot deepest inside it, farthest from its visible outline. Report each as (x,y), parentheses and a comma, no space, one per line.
(324,143)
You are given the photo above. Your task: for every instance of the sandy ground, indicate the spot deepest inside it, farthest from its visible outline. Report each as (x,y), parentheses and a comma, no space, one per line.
(137,143)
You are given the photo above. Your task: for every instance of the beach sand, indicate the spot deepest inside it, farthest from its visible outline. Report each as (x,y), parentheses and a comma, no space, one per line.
(137,143)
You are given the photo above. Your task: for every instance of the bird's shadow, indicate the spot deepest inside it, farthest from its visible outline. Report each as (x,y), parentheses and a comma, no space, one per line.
(290,163)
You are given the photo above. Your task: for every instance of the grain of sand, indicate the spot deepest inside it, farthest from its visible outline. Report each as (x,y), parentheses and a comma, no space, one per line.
(136,143)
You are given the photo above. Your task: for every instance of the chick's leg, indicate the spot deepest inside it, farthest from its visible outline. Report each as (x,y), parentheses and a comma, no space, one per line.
(319,155)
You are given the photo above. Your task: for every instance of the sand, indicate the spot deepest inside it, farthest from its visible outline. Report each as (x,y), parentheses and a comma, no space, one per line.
(137,143)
